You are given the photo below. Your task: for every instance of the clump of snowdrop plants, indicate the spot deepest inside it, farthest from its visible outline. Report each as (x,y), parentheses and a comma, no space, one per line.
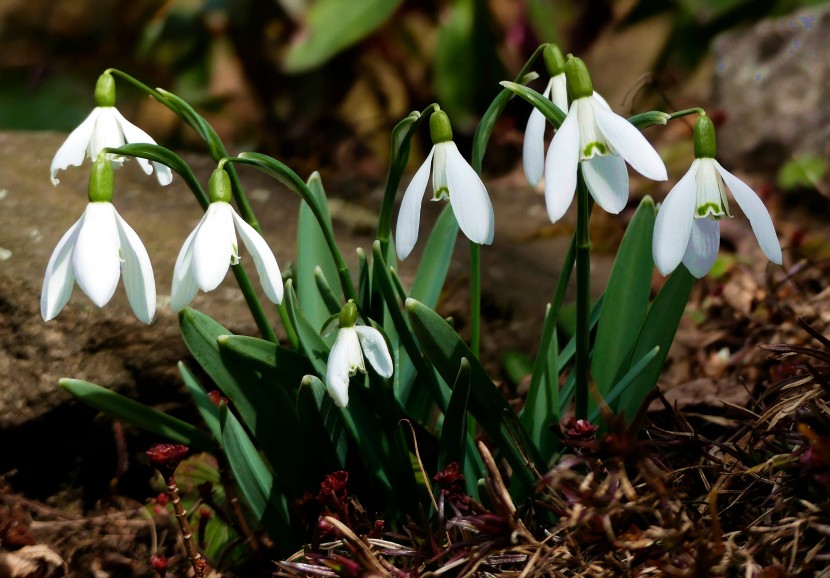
(298,402)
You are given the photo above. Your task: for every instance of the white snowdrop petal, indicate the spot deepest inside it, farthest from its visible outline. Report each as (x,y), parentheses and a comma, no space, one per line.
(674,223)
(756,212)
(95,259)
(337,368)
(469,199)
(184,285)
(133,134)
(107,133)
(560,166)
(59,278)
(629,142)
(213,246)
(139,282)
(702,249)
(264,259)
(73,150)
(607,180)
(409,216)
(375,349)
(533,151)
(559,92)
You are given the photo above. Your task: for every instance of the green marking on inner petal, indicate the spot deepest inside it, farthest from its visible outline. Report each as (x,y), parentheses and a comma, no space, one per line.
(710,210)
(600,147)
(442,193)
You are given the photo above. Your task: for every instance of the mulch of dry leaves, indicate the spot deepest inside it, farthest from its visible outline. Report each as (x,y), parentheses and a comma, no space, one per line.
(726,474)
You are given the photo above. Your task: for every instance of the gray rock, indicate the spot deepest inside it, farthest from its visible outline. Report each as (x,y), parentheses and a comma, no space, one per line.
(773,82)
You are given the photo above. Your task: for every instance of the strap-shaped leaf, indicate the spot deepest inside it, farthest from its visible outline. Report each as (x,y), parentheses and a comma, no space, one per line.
(454,430)
(542,405)
(445,349)
(256,482)
(314,260)
(624,383)
(207,409)
(311,343)
(281,365)
(321,418)
(138,414)
(626,300)
(658,331)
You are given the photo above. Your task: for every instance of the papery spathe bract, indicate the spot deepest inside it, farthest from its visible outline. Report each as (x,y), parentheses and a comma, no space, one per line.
(601,142)
(105,127)
(95,252)
(211,248)
(452,178)
(346,358)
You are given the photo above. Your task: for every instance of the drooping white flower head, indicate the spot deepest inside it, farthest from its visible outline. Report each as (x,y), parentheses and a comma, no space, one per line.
(210,250)
(601,142)
(687,229)
(352,344)
(98,249)
(105,127)
(452,178)
(533,152)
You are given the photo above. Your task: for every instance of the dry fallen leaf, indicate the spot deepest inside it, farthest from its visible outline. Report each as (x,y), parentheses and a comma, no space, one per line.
(38,561)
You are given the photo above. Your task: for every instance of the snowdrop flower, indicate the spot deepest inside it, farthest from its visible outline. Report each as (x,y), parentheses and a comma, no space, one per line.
(533,154)
(212,248)
(105,127)
(599,141)
(452,178)
(687,229)
(96,251)
(346,358)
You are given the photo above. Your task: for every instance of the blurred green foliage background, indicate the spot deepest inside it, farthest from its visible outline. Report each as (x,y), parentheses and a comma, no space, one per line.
(324,80)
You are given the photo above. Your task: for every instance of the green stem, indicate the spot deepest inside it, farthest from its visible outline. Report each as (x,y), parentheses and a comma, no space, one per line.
(253,303)
(686,112)
(475,298)
(218,152)
(583,296)
(401,143)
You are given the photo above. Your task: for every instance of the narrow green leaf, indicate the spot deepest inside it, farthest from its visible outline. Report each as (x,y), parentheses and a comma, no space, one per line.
(436,259)
(364,287)
(658,330)
(276,363)
(321,418)
(312,255)
(207,409)
(329,298)
(331,26)
(312,344)
(626,299)
(627,379)
(446,349)
(542,405)
(256,482)
(454,430)
(439,392)
(138,414)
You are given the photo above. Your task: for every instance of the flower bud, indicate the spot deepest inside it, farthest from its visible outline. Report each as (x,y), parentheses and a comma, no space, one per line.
(219,186)
(554,61)
(579,81)
(348,315)
(440,128)
(705,142)
(105,90)
(100,181)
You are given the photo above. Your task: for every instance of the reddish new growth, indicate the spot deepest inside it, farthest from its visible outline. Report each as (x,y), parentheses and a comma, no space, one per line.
(333,488)
(159,564)
(217,398)
(578,429)
(167,457)
(453,487)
